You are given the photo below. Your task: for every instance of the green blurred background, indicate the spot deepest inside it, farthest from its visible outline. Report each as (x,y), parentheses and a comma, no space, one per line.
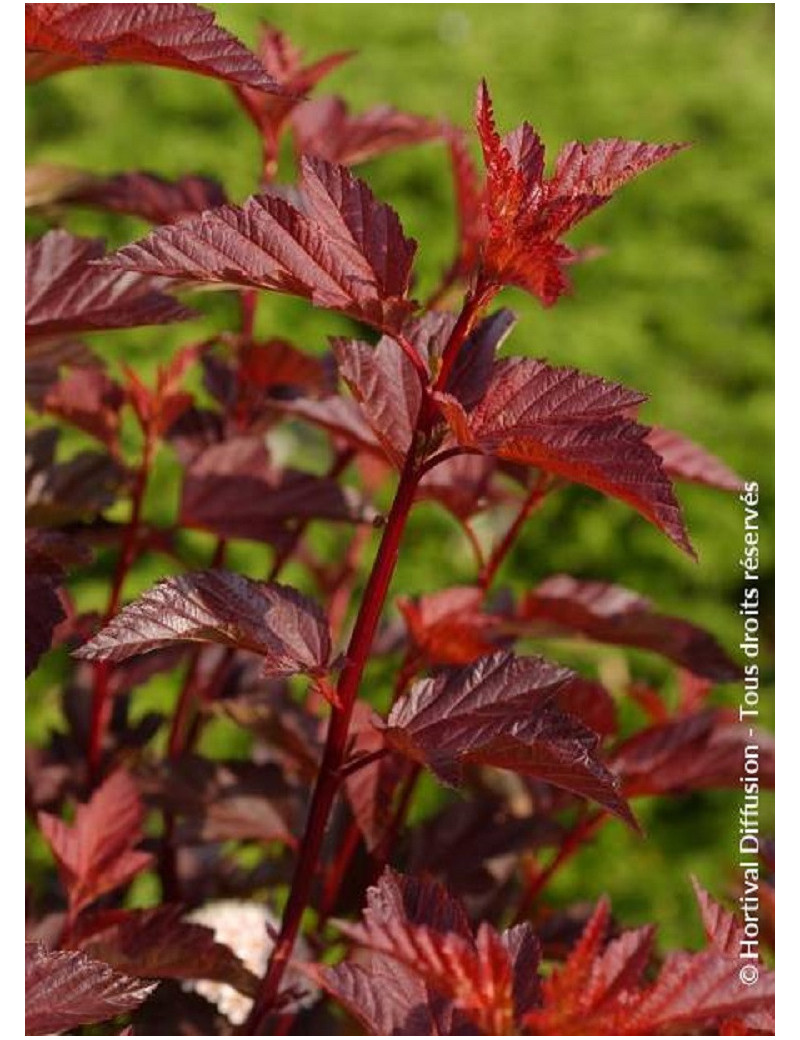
(680,306)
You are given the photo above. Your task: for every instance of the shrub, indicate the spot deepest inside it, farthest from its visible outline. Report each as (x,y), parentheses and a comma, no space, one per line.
(263,860)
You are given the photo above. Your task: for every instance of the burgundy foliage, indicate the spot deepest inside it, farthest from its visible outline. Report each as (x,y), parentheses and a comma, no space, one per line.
(336,698)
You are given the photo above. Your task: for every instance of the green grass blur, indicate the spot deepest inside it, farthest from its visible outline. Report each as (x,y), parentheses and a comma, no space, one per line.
(680,306)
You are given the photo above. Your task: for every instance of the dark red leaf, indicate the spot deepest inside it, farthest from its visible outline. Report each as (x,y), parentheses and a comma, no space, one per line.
(324,127)
(388,389)
(65,989)
(43,612)
(494,836)
(613,614)
(499,712)
(195,430)
(694,752)
(462,484)
(370,789)
(62,492)
(149,196)
(283,626)
(89,399)
(572,424)
(233,490)
(684,460)
(591,703)
(66,293)
(474,368)
(293,734)
(178,36)
(416,923)
(343,250)
(529,214)
(47,554)
(44,359)
(95,854)
(216,801)
(158,944)
(341,417)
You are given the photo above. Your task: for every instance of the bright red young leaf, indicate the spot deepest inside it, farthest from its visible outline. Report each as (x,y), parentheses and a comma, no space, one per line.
(613,614)
(590,992)
(179,36)
(343,249)
(284,63)
(699,990)
(158,944)
(691,753)
(500,712)
(324,127)
(233,490)
(95,854)
(280,369)
(604,993)
(684,460)
(451,626)
(66,293)
(571,424)
(149,196)
(65,989)
(490,978)
(528,214)
(722,929)
(159,406)
(278,623)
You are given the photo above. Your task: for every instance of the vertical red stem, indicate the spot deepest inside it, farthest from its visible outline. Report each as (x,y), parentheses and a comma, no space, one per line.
(338,870)
(102,671)
(336,744)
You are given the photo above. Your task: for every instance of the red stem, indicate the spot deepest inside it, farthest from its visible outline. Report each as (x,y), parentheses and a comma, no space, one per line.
(474,303)
(102,671)
(336,744)
(381,854)
(337,871)
(341,595)
(248,299)
(532,500)
(571,844)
